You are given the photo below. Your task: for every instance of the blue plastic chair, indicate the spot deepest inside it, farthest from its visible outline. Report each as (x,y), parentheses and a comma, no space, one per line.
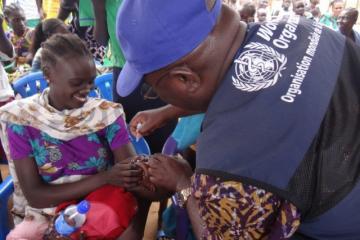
(103,84)
(30,84)
(7,188)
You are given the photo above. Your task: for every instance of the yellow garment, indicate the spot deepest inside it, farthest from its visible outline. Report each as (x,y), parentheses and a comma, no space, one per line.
(51,8)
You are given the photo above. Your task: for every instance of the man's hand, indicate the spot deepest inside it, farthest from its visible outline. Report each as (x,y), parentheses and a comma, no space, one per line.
(172,173)
(150,120)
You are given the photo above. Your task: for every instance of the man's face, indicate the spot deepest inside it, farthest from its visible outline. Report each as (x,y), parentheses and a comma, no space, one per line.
(261,16)
(299,8)
(286,4)
(263,4)
(346,22)
(174,88)
(337,8)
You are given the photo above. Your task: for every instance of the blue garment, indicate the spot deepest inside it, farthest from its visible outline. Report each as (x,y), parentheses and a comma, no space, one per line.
(283,119)
(187,131)
(357,37)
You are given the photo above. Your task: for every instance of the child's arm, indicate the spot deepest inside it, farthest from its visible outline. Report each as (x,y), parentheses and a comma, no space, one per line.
(42,195)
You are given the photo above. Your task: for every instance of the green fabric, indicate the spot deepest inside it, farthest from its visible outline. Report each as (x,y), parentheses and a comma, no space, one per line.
(32,22)
(117,57)
(86,13)
(329,21)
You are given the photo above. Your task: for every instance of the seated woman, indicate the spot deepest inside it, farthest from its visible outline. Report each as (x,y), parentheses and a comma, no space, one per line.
(20,35)
(43,31)
(62,144)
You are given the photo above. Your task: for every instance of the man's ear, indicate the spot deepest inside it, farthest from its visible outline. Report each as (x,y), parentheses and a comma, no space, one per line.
(190,79)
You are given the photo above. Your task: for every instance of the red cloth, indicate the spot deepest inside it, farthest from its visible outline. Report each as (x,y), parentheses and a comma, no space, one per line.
(111,211)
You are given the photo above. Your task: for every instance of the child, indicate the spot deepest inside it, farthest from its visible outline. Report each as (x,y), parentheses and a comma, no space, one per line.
(299,8)
(21,35)
(61,144)
(43,31)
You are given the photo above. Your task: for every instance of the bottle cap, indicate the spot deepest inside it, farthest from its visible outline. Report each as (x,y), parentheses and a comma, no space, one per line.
(83,207)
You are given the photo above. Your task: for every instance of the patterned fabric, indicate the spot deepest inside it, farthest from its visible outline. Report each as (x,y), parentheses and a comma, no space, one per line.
(84,155)
(232,210)
(65,125)
(87,34)
(21,43)
(329,21)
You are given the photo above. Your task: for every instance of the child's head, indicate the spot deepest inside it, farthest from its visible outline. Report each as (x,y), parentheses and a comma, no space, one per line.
(336,7)
(247,12)
(70,69)
(44,30)
(261,15)
(15,17)
(299,7)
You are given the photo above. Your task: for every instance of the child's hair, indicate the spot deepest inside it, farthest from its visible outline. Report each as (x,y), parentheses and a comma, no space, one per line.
(12,8)
(42,32)
(60,46)
(332,3)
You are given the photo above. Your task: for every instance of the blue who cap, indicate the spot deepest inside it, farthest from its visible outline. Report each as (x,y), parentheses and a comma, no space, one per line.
(156,33)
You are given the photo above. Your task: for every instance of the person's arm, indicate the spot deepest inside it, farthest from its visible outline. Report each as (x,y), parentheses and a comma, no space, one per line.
(66,7)
(100,32)
(5,44)
(42,13)
(156,118)
(174,174)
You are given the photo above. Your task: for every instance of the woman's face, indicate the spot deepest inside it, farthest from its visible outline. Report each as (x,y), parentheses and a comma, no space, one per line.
(17,23)
(70,81)
(337,8)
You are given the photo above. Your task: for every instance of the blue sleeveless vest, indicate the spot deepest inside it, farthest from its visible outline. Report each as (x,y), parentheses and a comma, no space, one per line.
(271,115)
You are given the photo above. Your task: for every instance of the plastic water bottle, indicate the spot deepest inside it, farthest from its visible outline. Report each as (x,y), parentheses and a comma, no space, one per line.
(72,218)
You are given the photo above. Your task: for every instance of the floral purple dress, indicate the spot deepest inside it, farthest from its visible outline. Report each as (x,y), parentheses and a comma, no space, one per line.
(83,155)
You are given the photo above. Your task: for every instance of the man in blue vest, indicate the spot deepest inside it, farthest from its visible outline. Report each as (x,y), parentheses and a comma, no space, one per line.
(278,155)
(346,21)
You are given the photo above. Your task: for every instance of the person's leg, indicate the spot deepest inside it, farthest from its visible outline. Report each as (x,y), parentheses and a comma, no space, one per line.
(135,103)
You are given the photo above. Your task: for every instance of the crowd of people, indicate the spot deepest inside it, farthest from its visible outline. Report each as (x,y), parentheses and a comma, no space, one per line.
(268,101)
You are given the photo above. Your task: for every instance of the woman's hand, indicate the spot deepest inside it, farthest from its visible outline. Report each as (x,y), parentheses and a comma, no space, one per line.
(172,173)
(124,174)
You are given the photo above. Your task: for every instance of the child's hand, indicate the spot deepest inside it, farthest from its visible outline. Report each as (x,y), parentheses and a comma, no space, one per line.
(124,174)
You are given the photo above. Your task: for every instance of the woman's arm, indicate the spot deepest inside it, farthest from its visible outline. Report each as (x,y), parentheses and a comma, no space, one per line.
(5,46)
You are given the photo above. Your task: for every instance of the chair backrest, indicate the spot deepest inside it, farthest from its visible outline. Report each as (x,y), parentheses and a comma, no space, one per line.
(103,83)
(141,146)
(6,189)
(30,84)
(34,83)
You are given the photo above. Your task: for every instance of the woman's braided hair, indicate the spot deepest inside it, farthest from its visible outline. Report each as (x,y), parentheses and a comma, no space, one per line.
(62,45)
